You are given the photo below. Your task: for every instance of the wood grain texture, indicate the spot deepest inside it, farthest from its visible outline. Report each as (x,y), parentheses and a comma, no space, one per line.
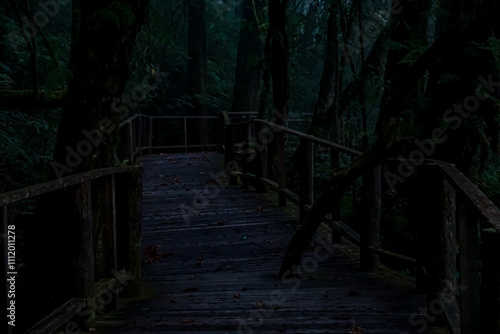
(219,254)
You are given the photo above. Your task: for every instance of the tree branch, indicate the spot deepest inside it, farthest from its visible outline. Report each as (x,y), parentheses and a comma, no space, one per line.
(447,46)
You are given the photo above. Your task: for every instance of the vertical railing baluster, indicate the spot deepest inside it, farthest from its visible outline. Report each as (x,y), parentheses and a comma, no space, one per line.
(281,162)
(150,139)
(130,143)
(128,198)
(306,172)
(490,281)
(469,269)
(114,231)
(185,136)
(336,212)
(108,224)
(370,232)
(85,262)
(261,156)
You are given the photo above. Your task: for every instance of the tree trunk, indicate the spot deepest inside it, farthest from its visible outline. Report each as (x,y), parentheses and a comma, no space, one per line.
(248,63)
(88,132)
(280,55)
(327,84)
(409,25)
(447,46)
(336,187)
(197,63)
(103,37)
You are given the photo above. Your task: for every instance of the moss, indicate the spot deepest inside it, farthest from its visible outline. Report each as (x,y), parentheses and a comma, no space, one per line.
(108,15)
(118,14)
(125,11)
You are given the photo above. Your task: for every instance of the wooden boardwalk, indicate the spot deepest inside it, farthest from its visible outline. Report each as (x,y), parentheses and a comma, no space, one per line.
(219,256)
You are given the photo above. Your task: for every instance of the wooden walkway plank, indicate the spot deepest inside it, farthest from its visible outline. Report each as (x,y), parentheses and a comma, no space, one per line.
(216,271)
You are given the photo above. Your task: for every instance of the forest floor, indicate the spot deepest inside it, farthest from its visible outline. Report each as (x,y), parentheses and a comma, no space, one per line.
(211,264)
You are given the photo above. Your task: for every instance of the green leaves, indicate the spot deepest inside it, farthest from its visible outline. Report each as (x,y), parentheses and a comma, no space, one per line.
(25,144)
(392,45)
(118,13)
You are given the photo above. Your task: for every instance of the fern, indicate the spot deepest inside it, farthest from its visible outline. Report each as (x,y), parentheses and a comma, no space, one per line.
(494,47)
(416,50)
(391,44)
(447,78)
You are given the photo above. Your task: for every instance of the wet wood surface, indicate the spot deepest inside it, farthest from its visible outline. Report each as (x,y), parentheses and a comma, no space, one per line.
(211,253)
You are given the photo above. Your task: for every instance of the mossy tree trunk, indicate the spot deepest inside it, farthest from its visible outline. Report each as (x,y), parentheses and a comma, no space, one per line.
(197,63)
(387,144)
(249,59)
(103,37)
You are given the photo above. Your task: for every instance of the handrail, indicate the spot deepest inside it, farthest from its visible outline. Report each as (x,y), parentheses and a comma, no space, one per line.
(483,207)
(117,191)
(68,181)
(311,138)
(464,232)
(139,135)
(469,222)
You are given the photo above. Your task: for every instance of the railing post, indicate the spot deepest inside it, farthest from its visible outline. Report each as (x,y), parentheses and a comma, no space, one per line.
(370,231)
(220,132)
(281,164)
(438,238)
(490,282)
(229,151)
(107,222)
(185,136)
(306,176)
(129,217)
(130,143)
(85,265)
(261,156)
(432,209)
(337,205)
(469,269)
(150,135)
(139,134)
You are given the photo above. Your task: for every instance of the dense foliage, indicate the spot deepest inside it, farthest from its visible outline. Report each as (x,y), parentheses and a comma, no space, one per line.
(347,59)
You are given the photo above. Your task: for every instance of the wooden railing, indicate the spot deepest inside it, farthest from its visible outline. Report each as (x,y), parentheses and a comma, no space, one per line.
(459,227)
(103,201)
(137,135)
(460,240)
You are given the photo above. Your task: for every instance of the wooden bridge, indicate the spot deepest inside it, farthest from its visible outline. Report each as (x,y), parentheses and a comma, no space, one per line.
(192,243)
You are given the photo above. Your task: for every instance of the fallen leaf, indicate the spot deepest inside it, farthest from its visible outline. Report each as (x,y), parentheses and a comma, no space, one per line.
(237,295)
(200,260)
(356,329)
(153,255)
(260,304)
